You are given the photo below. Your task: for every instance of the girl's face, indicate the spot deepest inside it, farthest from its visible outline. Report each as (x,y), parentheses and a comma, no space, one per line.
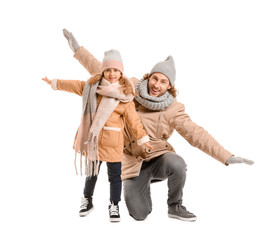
(158,84)
(112,74)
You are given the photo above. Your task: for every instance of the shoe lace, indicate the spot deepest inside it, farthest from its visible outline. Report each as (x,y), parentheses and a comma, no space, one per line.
(84,203)
(113,209)
(180,206)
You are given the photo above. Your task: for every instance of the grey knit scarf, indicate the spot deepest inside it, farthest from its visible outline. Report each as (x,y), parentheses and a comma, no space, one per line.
(149,102)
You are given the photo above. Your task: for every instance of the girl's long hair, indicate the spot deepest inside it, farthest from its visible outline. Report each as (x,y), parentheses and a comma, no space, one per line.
(125,87)
(173,91)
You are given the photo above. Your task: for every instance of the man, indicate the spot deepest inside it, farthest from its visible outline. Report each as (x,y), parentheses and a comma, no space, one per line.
(160,115)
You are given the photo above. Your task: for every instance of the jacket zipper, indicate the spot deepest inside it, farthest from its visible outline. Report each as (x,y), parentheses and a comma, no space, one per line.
(159,126)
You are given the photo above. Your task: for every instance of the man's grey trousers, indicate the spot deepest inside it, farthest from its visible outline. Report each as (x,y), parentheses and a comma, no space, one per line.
(137,190)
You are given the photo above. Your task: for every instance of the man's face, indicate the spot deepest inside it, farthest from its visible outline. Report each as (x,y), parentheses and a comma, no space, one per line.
(112,75)
(158,84)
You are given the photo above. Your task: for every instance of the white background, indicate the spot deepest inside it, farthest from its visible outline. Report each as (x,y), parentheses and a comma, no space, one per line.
(226,55)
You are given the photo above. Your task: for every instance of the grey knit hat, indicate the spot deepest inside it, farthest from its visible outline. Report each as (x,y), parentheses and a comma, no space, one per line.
(112,59)
(167,68)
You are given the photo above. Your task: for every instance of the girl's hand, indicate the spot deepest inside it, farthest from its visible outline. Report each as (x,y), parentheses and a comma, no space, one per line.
(147,144)
(46,80)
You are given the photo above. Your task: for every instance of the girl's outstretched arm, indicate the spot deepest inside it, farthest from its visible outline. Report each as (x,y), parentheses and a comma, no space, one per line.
(72,86)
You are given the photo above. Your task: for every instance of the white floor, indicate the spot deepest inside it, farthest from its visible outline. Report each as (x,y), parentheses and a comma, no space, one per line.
(238,204)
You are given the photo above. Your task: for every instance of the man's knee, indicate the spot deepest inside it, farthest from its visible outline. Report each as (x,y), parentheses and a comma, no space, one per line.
(139,215)
(175,163)
(138,207)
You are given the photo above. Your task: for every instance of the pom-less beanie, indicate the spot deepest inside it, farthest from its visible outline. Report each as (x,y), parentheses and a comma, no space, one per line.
(167,68)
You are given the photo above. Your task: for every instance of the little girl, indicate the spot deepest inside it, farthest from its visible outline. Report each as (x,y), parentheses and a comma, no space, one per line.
(107,100)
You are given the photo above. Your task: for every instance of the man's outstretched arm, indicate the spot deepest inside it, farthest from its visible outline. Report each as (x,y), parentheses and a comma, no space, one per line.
(87,60)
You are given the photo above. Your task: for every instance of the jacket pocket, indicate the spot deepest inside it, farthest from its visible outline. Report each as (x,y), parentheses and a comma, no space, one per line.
(110,136)
(159,148)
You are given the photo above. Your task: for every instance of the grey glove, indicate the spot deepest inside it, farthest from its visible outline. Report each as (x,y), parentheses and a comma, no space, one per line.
(71,40)
(234,159)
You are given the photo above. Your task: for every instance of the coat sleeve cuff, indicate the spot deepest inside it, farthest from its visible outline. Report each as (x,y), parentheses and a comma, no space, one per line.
(143,140)
(54,84)
(226,163)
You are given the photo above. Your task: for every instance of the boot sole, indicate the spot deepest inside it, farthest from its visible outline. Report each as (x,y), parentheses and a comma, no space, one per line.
(115,219)
(84,214)
(192,219)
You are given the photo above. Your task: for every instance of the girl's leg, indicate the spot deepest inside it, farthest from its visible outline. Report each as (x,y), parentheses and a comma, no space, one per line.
(86,202)
(89,185)
(114,176)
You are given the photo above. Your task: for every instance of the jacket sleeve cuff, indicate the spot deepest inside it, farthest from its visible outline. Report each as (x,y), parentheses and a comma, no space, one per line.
(54,84)
(143,140)
(226,163)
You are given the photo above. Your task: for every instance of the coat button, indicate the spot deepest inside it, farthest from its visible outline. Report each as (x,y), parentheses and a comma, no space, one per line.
(133,141)
(166,145)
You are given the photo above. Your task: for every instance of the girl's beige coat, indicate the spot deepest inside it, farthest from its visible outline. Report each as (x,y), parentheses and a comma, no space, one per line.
(111,136)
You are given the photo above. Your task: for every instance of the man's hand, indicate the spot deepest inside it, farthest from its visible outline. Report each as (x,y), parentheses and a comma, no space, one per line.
(233,160)
(147,144)
(71,40)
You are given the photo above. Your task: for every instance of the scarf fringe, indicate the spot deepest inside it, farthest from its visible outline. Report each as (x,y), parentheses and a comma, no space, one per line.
(90,167)
(91,163)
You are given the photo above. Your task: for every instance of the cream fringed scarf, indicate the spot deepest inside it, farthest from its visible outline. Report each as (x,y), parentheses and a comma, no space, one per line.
(94,118)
